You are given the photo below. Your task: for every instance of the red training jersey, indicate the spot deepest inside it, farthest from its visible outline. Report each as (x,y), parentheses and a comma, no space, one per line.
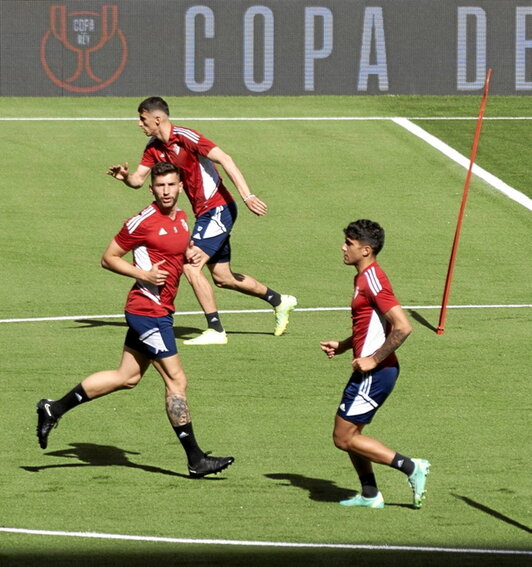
(188,149)
(153,236)
(372,298)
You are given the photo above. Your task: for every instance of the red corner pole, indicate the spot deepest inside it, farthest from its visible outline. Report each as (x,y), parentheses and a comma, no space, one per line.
(447,289)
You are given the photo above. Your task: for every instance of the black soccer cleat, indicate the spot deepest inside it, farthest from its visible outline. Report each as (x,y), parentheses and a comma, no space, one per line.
(45,421)
(209,465)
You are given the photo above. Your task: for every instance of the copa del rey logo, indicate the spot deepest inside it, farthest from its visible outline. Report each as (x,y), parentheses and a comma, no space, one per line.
(83,51)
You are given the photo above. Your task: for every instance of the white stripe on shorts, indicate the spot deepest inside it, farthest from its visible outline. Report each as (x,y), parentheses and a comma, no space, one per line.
(363,403)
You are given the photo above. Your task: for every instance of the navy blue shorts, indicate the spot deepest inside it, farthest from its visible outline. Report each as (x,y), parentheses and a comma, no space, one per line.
(151,336)
(212,232)
(365,393)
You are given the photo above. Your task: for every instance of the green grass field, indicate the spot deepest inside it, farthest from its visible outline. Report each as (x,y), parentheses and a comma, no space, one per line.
(114,467)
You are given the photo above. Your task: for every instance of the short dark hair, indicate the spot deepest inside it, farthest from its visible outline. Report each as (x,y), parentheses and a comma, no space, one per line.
(366,231)
(153,103)
(163,168)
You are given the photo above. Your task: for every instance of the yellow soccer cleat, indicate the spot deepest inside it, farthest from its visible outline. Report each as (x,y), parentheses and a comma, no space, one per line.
(282,313)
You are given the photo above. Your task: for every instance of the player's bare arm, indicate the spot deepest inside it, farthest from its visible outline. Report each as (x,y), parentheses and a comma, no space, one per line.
(113,260)
(134,180)
(252,202)
(400,330)
(332,348)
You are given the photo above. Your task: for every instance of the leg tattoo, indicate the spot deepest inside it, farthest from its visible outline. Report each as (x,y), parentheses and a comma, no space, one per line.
(177,410)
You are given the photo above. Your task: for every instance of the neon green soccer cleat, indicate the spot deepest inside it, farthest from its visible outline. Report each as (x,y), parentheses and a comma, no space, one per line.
(418,479)
(359,500)
(282,313)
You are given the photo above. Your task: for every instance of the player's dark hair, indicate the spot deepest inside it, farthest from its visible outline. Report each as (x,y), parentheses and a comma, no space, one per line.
(366,231)
(163,168)
(152,104)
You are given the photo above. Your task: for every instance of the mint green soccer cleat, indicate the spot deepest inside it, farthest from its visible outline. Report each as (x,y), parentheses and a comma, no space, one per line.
(418,479)
(359,500)
(282,313)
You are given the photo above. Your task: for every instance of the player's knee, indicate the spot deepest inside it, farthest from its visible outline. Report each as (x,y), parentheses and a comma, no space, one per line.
(222,280)
(177,387)
(228,280)
(340,441)
(188,270)
(130,382)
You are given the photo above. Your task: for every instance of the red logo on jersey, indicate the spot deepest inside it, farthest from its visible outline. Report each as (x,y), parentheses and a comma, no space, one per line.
(67,49)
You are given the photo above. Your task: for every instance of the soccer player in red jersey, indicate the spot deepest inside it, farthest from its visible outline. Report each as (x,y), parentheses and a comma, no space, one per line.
(214,208)
(159,240)
(379,328)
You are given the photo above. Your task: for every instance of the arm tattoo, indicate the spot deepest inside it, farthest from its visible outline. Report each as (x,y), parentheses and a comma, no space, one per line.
(177,410)
(394,340)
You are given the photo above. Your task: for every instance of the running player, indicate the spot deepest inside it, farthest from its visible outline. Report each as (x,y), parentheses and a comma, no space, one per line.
(159,239)
(214,208)
(379,327)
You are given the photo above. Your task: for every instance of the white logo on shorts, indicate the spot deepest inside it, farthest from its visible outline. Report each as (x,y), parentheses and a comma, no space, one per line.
(154,339)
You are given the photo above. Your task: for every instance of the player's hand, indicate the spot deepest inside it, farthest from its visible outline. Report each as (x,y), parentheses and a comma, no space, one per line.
(193,254)
(330,348)
(156,275)
(255,205)
(120,172)
(365,364)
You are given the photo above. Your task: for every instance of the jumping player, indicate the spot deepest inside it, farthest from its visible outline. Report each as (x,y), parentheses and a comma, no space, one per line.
(159,239)
(379,327)
(214,208)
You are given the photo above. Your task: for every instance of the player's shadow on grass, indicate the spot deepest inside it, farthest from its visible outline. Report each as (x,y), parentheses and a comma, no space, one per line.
(179,332)
(319,489)
(492,513)
(92,455)
(420,319)
(270,333)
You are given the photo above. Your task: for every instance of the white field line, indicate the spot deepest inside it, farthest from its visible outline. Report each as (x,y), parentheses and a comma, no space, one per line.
(274,544)
(249,118)
(300,309)
(451,153)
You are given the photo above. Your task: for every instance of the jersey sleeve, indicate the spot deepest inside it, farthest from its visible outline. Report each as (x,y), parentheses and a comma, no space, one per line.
(124,240)
(385,298)
(380,291)
(132,234)
(149,157)
(193,141)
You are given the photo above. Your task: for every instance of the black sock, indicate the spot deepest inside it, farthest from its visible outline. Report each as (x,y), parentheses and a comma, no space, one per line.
(272,297)
(185,434)
(213,321)
(74,398)
(369,485)
(403,464)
